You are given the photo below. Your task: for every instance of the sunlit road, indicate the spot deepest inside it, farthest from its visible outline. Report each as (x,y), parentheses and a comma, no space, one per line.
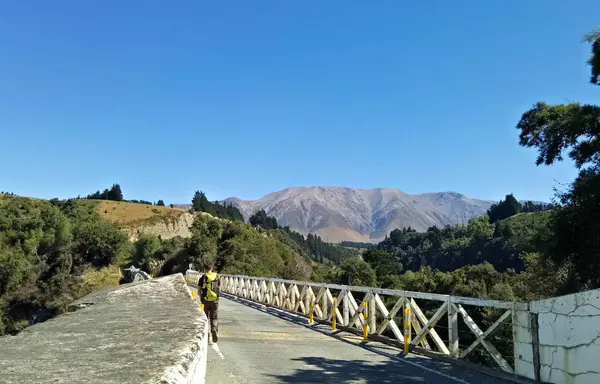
(263,345)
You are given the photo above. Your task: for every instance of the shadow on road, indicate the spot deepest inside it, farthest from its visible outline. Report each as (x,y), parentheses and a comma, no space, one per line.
(323,370)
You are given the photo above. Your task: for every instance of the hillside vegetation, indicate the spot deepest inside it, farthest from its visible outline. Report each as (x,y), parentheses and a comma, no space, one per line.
(52,252)
(47,250)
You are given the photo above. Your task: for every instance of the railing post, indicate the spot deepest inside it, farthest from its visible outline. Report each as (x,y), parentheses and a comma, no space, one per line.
(334,315)
(308,299)
(324,303)
(366,322)
(346,314)
(373,314)
(406,326)
(312,309)
(281,295)
(293,297)
(452,329)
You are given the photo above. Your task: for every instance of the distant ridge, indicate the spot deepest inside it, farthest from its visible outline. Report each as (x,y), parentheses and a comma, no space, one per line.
(337,213)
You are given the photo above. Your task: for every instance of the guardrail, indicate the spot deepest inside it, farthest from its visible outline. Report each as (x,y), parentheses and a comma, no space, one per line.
(192,277)
(423,318)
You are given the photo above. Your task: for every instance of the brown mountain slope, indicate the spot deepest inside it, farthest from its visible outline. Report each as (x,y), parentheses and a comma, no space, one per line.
(338,214)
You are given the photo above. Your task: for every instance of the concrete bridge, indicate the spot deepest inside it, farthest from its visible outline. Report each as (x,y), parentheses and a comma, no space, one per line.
(278,331)
(263,345)
(386,335)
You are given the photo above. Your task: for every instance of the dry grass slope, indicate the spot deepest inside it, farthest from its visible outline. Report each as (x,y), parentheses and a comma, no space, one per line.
(133,215)
(334,234)
(127,215)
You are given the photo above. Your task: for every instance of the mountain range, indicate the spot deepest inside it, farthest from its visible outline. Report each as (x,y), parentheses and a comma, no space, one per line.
(367,215)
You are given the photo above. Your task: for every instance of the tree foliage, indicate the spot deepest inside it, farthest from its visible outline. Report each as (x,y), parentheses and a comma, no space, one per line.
(114,193)
(200,203)
(47,246)
(238,248)
(150,252)
(501,244)
(44,247)
(318,249)
(510,206)
(575,129)
(260,219)
(356,244)
(593,38)
(355,271)
(504,209)
(530,206)
(310,244)
(139,201)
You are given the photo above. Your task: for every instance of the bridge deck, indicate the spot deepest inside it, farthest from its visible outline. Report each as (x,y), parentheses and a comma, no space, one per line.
(264,345)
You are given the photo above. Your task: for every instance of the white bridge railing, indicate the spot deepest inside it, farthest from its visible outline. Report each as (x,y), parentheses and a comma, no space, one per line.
(192,277)
(382,307)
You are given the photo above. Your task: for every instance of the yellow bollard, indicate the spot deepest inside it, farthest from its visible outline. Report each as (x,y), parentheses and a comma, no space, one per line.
(312,309)
(366,323)
(334,311)
(406,329)
(194,295)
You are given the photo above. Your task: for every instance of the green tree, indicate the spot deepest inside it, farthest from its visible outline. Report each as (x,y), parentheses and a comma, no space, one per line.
(355,271)
(160,203)
(200,203)
(261,219)
(508,207)
(480,228)
(572,128)
(147,248)
(115,193)
(233,213)
(38,257)
(594,39)
(99,243)
(384,264)
(202,246)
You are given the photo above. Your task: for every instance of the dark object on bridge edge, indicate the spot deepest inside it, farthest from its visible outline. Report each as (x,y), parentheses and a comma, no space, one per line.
(132,274)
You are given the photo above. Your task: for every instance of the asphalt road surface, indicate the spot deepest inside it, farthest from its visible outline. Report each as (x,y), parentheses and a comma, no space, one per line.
(265,345)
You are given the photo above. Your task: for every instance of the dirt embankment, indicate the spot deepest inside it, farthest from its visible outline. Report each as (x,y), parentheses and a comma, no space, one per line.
(142,218)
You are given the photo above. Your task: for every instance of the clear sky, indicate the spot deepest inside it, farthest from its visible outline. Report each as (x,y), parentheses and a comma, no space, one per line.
(242,98)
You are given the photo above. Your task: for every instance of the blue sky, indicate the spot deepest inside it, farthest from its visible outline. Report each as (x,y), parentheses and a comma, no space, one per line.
(242,98)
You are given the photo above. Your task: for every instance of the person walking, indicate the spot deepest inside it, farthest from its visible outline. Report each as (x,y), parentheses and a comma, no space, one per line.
(210,288)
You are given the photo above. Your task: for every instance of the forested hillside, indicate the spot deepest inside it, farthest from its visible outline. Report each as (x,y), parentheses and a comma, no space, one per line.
(52,252)
(311,244)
